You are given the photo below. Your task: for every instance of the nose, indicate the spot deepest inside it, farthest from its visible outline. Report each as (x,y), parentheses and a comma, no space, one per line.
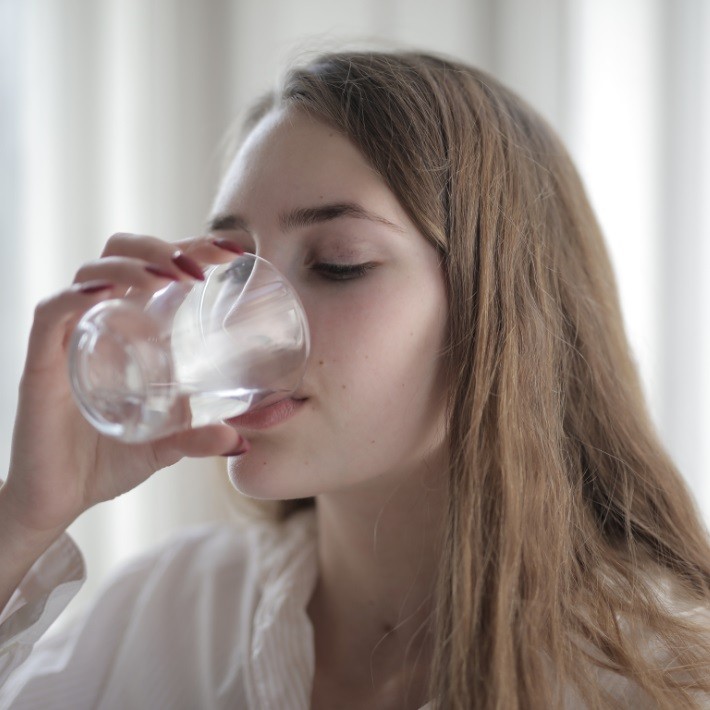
(288,260)
(284,260)
(290,264)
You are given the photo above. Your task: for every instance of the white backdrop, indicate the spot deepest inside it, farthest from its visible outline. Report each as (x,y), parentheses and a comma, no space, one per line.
(112,112)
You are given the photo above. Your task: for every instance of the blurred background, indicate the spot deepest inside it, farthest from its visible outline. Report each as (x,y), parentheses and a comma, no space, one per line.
(113,114)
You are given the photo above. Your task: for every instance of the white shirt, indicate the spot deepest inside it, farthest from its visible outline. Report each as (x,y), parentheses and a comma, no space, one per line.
(216,618)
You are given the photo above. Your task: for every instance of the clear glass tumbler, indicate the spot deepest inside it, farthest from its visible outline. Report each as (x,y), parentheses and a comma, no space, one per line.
(148,365)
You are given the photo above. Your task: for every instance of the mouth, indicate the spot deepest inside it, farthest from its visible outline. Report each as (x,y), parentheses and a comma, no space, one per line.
(270,416)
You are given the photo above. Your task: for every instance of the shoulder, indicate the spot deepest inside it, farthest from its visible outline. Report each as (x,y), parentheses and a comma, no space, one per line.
(178,611)
(214,559)
(209,547)
(208,581)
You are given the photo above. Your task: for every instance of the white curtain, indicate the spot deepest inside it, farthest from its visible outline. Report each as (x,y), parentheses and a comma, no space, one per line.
(112,113)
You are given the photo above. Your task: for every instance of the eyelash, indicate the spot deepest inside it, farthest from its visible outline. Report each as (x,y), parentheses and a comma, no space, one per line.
(342,272)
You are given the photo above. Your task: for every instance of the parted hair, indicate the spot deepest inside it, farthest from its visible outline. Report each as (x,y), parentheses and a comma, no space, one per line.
(570,535)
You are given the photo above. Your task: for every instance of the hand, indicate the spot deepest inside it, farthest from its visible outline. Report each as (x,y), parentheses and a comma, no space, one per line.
(60,465)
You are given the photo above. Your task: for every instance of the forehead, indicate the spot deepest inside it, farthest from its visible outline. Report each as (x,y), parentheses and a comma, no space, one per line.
(290,152)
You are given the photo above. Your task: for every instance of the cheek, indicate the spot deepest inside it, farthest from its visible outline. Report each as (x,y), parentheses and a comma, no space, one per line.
(378,359)
(377,398)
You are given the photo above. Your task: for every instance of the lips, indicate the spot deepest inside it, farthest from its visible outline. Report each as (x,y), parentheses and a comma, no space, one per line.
(268,416)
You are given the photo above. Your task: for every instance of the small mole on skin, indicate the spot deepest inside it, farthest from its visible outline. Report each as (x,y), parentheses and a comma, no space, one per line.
(320,362)
(344,387)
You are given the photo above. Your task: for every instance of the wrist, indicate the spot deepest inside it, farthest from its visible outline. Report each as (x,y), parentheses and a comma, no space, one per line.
(20,547)
(19,536)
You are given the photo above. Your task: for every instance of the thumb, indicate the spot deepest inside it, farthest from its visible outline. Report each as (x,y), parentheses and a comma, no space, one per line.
(211,440)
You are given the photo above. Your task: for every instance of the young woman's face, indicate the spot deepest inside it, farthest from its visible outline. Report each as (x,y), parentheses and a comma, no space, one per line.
(302,196)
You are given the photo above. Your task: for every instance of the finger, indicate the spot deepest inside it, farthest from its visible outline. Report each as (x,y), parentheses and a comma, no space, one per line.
(151,250)
(140,246)
(130,271)
(210,249)
(212,440)
(54,317)
(199,250)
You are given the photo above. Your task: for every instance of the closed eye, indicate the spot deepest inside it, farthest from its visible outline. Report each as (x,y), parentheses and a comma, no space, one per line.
(342,272)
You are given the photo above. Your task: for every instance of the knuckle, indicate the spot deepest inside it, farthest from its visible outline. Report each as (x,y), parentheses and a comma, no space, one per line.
(81,272)
(43,306)
(115,241)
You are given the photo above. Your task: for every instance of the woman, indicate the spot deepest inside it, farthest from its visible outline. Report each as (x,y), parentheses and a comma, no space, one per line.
(476,510)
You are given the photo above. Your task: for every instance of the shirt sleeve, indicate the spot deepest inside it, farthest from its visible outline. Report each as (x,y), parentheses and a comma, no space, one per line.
(65,669)
(167,629)
(41,597)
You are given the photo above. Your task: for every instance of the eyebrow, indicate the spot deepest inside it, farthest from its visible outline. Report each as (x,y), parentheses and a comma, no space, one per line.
(304,217)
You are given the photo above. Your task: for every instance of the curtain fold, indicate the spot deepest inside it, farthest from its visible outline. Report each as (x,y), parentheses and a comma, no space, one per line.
(684,196)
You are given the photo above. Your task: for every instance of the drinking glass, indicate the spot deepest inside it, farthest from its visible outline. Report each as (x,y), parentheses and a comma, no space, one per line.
(148,365)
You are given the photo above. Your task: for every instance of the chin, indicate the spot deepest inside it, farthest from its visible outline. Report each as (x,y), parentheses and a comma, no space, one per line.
(257,478)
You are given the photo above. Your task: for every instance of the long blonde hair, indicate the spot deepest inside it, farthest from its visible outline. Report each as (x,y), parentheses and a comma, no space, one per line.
(564,508)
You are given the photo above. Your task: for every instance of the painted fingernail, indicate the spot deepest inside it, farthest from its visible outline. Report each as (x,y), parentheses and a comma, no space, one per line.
(188,265)
(241,448)
(228,244)
(94,286)
(161,273)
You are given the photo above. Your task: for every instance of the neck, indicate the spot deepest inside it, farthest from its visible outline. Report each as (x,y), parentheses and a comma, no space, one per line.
(378,553)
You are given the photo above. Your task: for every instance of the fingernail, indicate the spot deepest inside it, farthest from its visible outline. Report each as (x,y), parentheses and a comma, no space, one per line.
(186,264)
(241,448)
(227,244)
(162,273)
(94,286)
